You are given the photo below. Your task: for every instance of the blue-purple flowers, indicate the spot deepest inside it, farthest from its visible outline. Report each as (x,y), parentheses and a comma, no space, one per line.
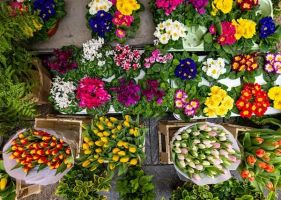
(46,8)
(186,70)
(101,23)
(267,27)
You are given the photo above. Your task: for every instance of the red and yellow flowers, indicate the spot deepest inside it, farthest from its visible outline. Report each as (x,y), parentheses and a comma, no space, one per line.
(247,4)
(253,100)
(244,63)
(35,148)
(227,36)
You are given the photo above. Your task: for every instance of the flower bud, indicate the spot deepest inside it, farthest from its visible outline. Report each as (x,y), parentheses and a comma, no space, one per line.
(231,150)
(223,152)
(178,137)
(183,144)
(212,133)
(182,164)
(188,131)
(194,148)
(219,167)
(190,170)
(216,145)
(232,158)
(215,128)
(185,136)
(202,156)
(203,127)
(177,150)
(196,133)
(206,163)
(208,129)
(180,156)
(199,167)
(196,162)
(191,164)
(177,143)
(208,152)
(222,138)
(215,152)
(196,141)
(222,133)
(201,146)
(184,151)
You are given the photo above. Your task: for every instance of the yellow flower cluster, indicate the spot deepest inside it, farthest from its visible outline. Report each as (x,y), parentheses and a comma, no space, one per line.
(111,141)
(221,5)
(244,28)
(275,94)
(218,103)
(126,7)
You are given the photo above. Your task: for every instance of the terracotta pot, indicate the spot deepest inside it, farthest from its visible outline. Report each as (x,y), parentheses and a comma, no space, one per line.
(52,31)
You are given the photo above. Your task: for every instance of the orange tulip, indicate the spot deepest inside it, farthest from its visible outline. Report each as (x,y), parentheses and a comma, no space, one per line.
(245,173)
(259,140)
(270,186)
(260,153)
(251,160)
(269,168)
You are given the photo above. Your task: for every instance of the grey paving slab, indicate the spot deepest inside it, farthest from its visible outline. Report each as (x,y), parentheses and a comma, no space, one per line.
(73,30)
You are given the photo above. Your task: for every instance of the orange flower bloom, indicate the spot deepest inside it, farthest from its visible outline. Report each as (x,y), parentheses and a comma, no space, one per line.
(245,173)
(270,186)
(251,160)
(260,153)
(262,165)
(259,140)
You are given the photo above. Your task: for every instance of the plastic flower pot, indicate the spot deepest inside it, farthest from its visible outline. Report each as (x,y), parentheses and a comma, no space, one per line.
(266,8)
(52,31)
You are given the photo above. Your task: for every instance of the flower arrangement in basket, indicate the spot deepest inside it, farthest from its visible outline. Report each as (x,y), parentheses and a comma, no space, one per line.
(37,156)
(204,153)
(118,144)
(113,19)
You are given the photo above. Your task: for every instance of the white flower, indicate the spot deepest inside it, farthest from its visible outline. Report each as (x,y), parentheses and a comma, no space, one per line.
(180,156)
(101,63)
(222,138)
(175,35)
(178,137)
(214,68)
(91,49)
(62,92)
(196,141)
(199,167)
(164,38)
(97,5)
(182,164)
(201,146)
(177,150)
(191,164)
(206,163)
(196,133)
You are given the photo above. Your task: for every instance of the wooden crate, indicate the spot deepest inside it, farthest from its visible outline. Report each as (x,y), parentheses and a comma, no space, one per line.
(167,129)
(23,190)
(70,128)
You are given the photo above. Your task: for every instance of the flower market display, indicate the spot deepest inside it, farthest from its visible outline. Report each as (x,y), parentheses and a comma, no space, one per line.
(204,153)
(115,143)
(114,20)
(37,156)
(225,26)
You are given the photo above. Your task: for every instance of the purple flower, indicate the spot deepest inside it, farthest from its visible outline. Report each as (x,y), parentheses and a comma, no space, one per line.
(128,93)
(199,5)
(152,92)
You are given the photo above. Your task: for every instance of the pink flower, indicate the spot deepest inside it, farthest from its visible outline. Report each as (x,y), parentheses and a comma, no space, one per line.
(127,58)
(120,33)
(168,5)
(212,29)
(91,93)
(216,145)
(212,133)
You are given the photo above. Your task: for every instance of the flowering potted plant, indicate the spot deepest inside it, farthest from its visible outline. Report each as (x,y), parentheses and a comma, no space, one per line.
(204,153)
(115,143)
(50,12)
(113,20)
(272,67)
(261,157)
(274,94)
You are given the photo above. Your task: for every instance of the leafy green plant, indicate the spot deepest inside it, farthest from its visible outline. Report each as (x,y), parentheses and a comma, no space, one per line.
(231,189)
(82,184)
(135,185)
(7,185)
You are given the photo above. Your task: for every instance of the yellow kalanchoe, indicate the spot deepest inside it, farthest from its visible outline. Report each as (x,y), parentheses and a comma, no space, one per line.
(126,7)
(221,5)
(244,28)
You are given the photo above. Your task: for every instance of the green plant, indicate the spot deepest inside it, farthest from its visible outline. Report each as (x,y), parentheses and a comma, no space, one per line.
(83,184)
(8,188)
(231,189)
(15,100)
(135,185)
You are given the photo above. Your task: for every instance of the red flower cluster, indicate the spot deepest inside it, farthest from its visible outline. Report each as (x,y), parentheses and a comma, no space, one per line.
(244,62)
(34,148)
(126,57)
(253,100)
(122,20)
(247,4)
(227,36)
(246,174)
(91,93)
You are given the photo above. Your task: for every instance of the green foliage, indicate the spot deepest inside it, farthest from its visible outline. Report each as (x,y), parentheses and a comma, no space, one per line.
(15,103)
(9,193)
(83,184)
(135,185)
(231,189)
(15,29)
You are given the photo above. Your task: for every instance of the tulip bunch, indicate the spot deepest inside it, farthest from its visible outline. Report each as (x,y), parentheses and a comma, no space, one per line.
(203,150)
(38,149)
(262,155)
(117,143)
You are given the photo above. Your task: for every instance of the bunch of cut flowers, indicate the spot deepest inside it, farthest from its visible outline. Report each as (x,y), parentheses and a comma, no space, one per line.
(205,153)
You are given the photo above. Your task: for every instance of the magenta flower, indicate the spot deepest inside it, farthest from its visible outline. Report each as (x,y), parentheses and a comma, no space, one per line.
(91,93)
(156,56)
(152,92)
(168,5)
(199,5)
(128,93)
(62,61)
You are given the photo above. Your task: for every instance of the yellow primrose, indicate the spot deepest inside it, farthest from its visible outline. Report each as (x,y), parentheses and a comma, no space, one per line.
(124,159)
(133,161)
(221,5)
(277,105)
(244,28)
(115,158)
(275,93)
(126,7)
